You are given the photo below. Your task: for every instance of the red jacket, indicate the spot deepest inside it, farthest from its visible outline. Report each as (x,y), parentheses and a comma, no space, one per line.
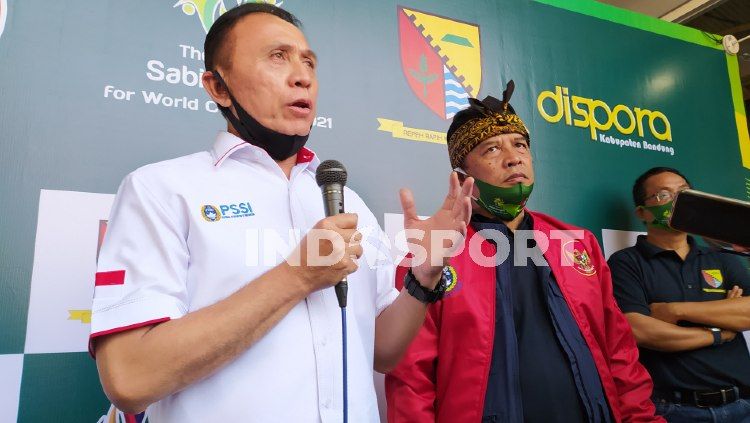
(443,376)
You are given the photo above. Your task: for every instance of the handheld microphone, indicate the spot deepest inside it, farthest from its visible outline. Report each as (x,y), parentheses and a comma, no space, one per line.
(331,178)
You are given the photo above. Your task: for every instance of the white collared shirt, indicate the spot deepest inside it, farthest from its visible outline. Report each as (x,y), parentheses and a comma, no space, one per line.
(186,233)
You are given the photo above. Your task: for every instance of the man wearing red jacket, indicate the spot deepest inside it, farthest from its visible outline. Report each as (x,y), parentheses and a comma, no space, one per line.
(535,338)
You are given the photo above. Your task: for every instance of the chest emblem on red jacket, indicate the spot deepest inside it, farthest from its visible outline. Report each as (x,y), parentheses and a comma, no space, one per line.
(579,258)
(451,278)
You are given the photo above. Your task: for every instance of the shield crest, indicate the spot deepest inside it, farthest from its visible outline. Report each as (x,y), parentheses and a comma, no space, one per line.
(578,257)
(713,277)
(441,60)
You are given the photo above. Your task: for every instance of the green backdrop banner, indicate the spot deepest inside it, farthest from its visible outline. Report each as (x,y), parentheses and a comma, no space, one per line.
(89,91)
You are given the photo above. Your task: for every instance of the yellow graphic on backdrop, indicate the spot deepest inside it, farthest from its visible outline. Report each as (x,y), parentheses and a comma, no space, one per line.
(398,130)
(584,115)
(83,315)
(742,132)
(450,39)
(210,10)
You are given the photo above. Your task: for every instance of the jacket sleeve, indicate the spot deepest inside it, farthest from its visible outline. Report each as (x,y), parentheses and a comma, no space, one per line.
(632,381)
(410,388)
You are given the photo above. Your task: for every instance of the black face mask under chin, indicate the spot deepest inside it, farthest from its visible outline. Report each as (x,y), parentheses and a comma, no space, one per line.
(279,146)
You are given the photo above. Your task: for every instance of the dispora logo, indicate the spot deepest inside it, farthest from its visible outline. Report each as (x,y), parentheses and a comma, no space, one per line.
(596,115)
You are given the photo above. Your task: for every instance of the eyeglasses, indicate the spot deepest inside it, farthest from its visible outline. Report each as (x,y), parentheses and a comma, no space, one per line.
(665,195)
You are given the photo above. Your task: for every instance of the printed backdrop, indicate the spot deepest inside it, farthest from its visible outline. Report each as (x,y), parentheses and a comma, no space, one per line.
(89,91)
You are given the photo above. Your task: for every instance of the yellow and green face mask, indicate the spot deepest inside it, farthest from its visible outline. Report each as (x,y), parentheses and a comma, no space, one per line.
(661,214)
(503,203)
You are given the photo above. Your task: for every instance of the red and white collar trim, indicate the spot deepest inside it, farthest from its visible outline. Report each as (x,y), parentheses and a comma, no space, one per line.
(304,155)
(227,144)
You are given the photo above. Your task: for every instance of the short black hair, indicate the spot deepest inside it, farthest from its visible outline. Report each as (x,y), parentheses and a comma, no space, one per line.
(639,189)
(217,35)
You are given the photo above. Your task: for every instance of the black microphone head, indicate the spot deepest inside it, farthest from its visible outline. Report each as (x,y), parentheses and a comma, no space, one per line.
(330,172)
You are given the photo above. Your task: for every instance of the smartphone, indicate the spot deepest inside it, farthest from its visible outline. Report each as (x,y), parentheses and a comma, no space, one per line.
(712,216)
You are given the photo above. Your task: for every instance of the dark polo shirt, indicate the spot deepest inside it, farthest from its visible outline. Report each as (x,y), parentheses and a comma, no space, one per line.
(647,274)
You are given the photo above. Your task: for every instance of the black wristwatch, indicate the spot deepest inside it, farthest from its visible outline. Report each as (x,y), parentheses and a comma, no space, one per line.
(423,294)
(716,332)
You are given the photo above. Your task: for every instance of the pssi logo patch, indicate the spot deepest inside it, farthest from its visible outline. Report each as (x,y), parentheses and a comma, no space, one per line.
(577,256)
(211,213)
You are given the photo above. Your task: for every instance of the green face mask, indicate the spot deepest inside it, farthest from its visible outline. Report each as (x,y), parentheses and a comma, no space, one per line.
(661,214)
(503,203)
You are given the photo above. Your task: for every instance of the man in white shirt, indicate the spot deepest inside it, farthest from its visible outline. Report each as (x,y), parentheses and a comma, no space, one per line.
(196,314)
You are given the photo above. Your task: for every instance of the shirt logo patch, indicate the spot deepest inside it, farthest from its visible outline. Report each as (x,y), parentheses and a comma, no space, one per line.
(451,278)
(579,258)
(713,277)
(212,213)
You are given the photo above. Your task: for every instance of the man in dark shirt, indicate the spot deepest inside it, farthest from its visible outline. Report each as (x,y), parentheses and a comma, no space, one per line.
(534,333)
(685,305)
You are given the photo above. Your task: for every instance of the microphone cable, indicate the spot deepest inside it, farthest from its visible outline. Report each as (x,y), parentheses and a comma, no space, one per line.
(331,178)
(344,368)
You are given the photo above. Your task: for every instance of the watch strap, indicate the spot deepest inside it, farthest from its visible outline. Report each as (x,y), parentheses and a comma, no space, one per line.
(424,295)
(716,332)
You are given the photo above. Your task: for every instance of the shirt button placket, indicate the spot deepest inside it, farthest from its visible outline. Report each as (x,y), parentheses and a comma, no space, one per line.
(324,356)
(316,316)
(688,292)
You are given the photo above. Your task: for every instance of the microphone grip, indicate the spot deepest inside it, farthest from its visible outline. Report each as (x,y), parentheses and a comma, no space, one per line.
(333,201)
(341,290)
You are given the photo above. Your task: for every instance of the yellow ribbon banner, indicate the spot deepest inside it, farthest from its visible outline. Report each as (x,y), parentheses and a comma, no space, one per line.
(398,130)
